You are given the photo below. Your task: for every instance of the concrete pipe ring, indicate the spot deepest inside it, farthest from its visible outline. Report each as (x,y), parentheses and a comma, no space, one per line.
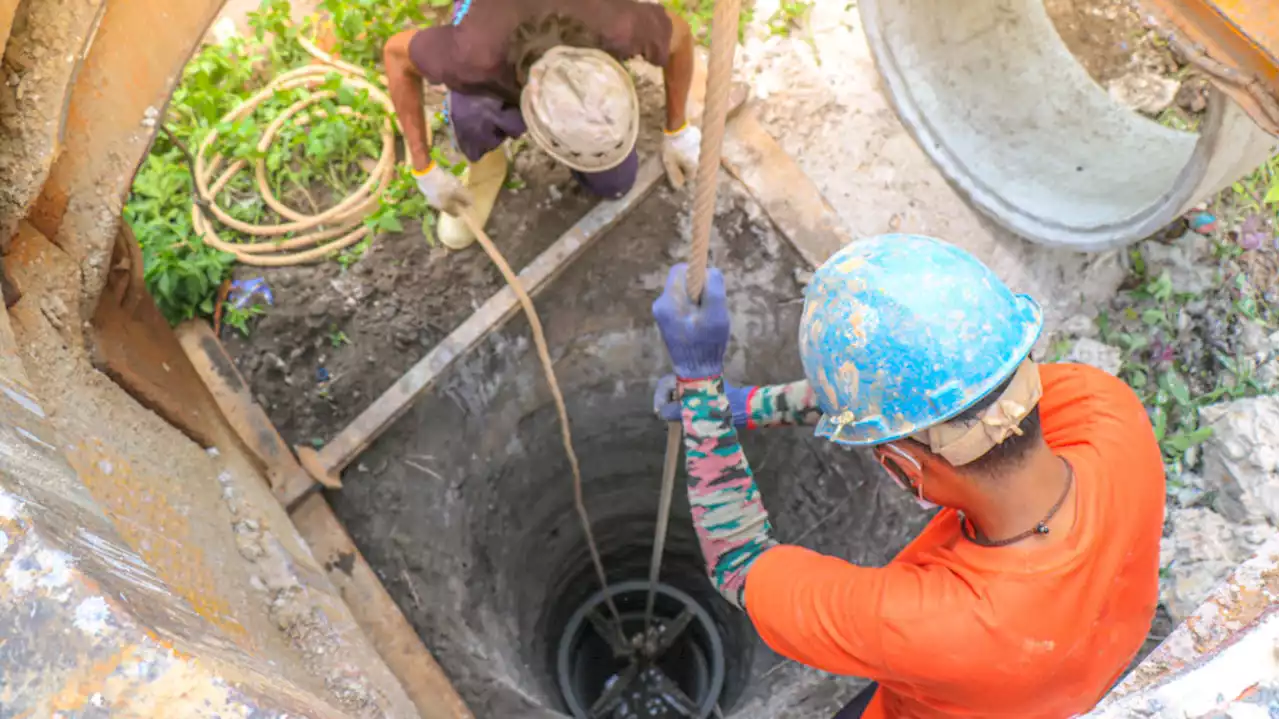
(994,97)
(587,668)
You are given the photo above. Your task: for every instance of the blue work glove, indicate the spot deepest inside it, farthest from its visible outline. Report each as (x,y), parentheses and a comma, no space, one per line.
(667,406)
(696,334)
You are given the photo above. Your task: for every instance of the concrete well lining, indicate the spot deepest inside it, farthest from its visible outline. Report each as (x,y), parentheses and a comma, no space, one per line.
(465,507)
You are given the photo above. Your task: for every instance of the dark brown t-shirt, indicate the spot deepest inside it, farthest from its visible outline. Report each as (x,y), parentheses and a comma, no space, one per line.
(476,56)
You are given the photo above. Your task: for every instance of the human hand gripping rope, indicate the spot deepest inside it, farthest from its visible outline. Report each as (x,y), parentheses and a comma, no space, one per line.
(730,520)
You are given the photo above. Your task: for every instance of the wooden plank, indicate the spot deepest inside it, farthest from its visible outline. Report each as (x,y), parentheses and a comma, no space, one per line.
(329,462)
(376,612)
(790,199)
(289,481)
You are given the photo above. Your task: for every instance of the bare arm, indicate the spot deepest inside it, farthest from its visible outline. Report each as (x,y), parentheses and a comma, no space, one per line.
(405,85)
(678,74)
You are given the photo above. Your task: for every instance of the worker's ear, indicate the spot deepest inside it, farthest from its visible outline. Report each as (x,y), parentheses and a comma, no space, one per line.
(930,463)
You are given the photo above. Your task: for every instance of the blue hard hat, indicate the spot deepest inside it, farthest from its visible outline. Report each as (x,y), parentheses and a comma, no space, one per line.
(901,332)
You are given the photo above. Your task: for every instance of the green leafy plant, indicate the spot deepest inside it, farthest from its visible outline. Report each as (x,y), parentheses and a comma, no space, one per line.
(790,14)
(698,14)
(362,27)
(238,317)
(1150,365)
(338,338)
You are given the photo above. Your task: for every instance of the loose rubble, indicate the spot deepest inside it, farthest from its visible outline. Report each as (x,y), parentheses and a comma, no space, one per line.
(1092,352)
(1145,92)
(1200,551)
(1194,331)
(1242,458)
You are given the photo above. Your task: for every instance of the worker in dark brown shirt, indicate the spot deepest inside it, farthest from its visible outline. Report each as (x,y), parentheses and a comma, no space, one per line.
(550,68)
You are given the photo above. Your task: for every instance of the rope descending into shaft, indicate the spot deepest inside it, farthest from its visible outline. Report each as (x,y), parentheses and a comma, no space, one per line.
(669,466)
(544,356)
(724,41)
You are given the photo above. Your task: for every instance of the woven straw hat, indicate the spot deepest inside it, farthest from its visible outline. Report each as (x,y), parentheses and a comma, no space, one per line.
(580,107)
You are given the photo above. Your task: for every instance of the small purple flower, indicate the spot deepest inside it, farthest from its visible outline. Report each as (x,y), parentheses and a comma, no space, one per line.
(1252,233)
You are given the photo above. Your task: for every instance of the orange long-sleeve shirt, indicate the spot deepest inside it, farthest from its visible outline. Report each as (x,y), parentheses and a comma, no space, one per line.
(953,629)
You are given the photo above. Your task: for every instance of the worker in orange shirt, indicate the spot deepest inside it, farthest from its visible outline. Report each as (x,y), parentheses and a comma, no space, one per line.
(1034,586)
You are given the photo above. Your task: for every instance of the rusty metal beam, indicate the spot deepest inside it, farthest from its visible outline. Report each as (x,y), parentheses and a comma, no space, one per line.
(41,83)
(89,627)
(376,612)
(132,67)
(1235,42)
(8,8)
(132,344)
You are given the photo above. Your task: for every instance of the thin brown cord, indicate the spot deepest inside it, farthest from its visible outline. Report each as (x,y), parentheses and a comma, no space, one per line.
(540,343)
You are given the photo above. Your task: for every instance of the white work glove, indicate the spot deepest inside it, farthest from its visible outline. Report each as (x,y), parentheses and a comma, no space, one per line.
(443,191)
(680,154)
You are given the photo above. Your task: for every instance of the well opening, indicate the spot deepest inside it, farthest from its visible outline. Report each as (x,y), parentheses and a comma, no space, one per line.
(465,506)
(673,665)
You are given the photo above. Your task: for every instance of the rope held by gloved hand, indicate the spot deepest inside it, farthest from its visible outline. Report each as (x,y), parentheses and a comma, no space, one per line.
(544,356)
(724,41)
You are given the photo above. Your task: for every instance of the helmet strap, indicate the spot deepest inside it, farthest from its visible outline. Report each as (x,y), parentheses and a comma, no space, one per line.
(962,442)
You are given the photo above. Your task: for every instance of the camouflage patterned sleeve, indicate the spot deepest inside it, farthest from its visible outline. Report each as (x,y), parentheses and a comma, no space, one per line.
(730,520)
(778,405)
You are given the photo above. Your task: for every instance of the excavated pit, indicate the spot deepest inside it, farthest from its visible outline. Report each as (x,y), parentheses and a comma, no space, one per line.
(465,506)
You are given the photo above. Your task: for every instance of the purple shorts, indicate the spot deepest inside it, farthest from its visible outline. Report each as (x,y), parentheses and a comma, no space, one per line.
(481,123)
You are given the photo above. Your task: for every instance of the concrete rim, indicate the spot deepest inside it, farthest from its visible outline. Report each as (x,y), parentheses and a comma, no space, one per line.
(578,622)
(895,39)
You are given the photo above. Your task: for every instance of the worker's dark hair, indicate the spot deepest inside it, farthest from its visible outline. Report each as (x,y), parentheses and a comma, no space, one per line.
(1010,453)
(533,39)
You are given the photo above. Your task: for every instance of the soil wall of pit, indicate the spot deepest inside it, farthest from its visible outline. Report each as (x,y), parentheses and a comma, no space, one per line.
(465,506)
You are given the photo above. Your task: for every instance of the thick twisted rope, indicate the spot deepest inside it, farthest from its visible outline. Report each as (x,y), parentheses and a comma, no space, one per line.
(724,41)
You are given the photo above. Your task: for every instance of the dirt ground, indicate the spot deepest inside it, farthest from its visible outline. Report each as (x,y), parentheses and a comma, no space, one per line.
(335,339)
(1114,42)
